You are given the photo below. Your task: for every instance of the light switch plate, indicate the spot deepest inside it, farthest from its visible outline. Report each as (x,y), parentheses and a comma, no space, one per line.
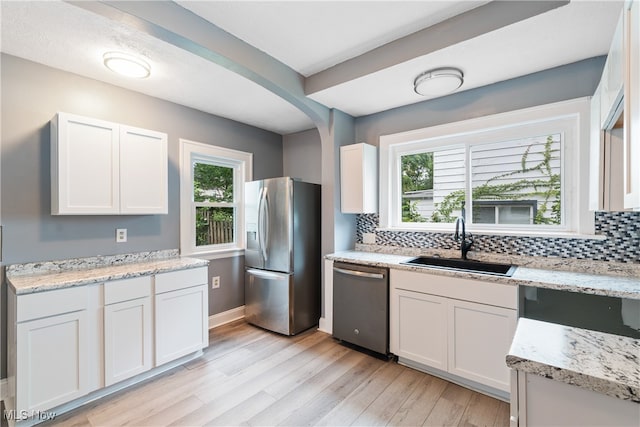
(121,235)
(369,238)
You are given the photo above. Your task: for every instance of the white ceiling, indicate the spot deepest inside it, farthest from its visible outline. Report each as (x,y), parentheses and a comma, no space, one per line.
(309,37)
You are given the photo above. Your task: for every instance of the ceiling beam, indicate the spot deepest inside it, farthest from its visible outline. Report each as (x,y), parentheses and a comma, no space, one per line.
(173,24)
(473,23)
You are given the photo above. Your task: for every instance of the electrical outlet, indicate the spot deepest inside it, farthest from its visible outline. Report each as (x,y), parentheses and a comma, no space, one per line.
(215,282)
(121,235)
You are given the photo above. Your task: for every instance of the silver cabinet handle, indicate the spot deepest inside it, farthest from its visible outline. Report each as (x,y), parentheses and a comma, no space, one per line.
(359,273)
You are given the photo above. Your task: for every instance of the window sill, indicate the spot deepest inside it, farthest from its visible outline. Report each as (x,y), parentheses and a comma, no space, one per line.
(514,233)
(219,254)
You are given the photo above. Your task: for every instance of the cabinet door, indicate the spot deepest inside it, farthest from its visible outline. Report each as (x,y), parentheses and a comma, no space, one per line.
(418,327)
(47,378)
(479,340)
(181,323)
(612,79)
(84,166)
(358,179)
(632,108)
(127,339)
(143,171)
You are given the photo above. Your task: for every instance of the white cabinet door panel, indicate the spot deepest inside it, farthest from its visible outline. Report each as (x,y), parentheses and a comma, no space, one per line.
(51,361)
(418,329)
(358,178)
(632,108)
(84,164)
(128,333)
(143,171)
(479,340)
(181,323)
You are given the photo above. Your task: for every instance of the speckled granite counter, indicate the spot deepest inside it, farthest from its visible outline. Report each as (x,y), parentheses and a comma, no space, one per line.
(50,275)
(626,285)
(606,363)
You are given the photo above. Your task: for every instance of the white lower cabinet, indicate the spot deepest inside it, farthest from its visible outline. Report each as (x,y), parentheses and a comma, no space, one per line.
(128,329)
(65,344)
(417,320)
(51,361)
(181,314)
(432,325)
(546,402)
(479,338)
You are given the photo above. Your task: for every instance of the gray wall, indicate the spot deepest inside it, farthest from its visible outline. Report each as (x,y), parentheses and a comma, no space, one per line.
(556,84)
(31,96)
(302,156)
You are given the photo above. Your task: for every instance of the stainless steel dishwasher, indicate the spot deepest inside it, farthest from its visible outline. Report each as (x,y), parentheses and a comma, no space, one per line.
(361,306)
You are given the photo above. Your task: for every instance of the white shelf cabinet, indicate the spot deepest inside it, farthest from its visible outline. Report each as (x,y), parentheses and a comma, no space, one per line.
(460,327)
(128,329)
(632,107)
(358,178)
(103,168)
(49,334)
(181,318)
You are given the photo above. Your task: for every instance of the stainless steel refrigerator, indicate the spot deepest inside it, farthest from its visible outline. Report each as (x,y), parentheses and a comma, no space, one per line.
(282,258)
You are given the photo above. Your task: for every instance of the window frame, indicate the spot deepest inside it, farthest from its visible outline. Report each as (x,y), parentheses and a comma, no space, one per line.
(573,115)
(192,152)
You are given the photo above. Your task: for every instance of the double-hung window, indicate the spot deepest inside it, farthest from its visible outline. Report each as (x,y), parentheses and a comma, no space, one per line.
(212,194)
(519,172)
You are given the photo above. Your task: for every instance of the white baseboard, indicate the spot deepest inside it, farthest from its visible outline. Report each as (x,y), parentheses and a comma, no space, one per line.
(226,317)
(325,326)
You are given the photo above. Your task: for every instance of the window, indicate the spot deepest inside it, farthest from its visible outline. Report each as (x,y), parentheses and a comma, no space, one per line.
(212,194)
(518,171)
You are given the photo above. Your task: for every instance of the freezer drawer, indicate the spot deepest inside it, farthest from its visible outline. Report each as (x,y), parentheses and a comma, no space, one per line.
(361,306)
(267,300)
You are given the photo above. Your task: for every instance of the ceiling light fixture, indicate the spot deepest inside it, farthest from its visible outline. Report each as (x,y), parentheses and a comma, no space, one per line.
(126,65)
(438,82)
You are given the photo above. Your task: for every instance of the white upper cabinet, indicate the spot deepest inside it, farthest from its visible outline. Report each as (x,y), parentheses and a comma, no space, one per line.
(358,179)
(612,81)
(143,171)
(84,166)
(632,107)
(103,168)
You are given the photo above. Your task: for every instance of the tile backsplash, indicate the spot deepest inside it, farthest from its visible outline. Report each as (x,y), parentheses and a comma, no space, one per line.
(622,242)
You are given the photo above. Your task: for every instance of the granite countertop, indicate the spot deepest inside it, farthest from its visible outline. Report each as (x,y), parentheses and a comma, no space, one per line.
(51,275)
(625,284)
(605,363)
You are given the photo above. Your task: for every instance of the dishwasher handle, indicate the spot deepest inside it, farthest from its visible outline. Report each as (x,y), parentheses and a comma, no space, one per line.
(359,273)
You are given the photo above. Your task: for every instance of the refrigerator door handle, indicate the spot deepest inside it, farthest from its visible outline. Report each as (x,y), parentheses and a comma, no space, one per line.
(267,274)
(262,223)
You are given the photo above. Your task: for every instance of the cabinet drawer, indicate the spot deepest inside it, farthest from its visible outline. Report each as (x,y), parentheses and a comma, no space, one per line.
(181,279)
(127,289)
(480,291)
(50,303)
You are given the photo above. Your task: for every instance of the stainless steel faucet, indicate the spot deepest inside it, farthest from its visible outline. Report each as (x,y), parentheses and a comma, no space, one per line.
(465,244)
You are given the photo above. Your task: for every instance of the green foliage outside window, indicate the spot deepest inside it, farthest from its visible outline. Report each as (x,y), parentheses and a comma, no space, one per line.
(213,184)
(546,189)
(417,174)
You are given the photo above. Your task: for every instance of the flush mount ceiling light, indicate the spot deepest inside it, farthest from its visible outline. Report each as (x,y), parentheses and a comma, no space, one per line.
(126,65)
(438,82)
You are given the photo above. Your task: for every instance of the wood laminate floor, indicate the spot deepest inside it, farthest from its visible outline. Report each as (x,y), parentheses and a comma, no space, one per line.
(249,376)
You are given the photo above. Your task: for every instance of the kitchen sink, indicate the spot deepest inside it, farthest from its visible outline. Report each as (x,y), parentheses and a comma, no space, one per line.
(463,265)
